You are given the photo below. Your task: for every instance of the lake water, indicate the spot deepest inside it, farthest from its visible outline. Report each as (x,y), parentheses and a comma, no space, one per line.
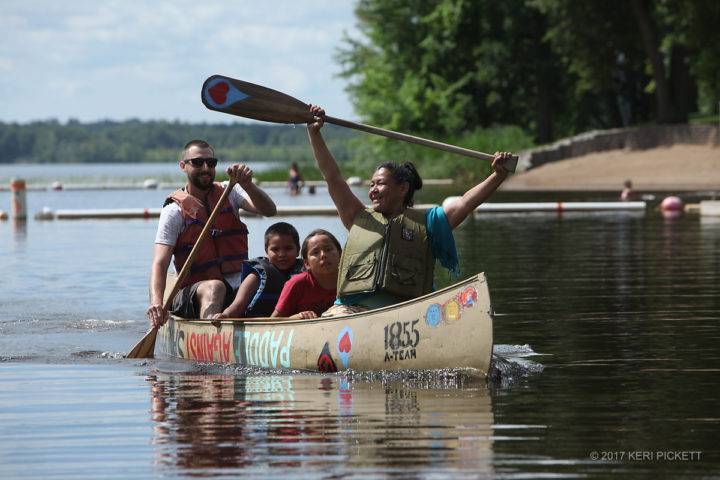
(606,358)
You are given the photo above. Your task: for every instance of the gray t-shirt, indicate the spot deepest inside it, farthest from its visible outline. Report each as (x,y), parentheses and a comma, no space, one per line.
(172,224)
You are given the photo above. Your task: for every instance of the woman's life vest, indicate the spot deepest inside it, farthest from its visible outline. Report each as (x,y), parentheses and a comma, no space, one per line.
(271,284)
(225,249)
(393,256)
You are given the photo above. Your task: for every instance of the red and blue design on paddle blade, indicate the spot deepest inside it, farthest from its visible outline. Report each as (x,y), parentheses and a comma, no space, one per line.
(219,93)
(245,99)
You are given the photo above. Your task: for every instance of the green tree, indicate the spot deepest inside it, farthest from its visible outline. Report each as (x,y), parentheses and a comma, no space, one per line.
(664,48)
(555,67)
(443,67)
(602,51)
(692,28)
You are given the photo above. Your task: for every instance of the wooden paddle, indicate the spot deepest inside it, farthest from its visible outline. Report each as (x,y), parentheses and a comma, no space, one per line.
(248,100)
(145,348)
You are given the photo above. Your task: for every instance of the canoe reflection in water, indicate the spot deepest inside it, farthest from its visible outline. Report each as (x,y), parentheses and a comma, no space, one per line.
(401,421)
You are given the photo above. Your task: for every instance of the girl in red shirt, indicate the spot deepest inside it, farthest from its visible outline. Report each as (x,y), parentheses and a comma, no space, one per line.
(309,294)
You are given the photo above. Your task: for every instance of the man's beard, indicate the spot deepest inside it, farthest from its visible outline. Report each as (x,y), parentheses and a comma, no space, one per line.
(203,183)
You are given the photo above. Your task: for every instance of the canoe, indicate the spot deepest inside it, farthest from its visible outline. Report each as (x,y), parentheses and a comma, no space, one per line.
(447,329)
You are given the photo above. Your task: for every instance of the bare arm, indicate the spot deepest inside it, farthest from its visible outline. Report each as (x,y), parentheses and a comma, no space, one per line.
(257,201)
(347,204)
(458,210)
(245,293)
(162,254)
(300,315)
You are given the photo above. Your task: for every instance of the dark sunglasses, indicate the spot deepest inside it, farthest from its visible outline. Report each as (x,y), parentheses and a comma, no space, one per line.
(198,162)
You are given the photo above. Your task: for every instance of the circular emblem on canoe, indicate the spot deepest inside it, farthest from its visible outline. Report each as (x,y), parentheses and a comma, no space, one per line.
(469,296)
(433,315)
(452,310)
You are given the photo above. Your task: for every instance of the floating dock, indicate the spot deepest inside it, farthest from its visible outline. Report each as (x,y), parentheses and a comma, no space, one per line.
(102,213)
(556,207)
(710,208)
(330,210)
(123,213)
(560,207)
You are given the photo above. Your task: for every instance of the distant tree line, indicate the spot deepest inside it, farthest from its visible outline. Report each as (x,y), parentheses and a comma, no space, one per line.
(137,141)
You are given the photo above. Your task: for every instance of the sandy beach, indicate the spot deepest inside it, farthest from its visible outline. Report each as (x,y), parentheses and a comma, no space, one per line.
(677,168)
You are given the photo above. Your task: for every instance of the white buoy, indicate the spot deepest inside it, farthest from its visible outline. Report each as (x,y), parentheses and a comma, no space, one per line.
(45,214)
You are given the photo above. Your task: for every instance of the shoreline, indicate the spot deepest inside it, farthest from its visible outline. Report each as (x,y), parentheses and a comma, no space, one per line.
(681,168)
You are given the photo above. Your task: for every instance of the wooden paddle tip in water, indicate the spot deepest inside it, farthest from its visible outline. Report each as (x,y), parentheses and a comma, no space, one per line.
(145,348)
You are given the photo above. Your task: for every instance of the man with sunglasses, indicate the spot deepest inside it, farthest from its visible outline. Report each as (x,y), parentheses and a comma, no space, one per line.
(216,272)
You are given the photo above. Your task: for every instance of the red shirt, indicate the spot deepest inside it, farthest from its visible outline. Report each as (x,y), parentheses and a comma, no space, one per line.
(302,293)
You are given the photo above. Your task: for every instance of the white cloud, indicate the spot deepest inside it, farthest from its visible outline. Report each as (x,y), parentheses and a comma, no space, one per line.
(108,59)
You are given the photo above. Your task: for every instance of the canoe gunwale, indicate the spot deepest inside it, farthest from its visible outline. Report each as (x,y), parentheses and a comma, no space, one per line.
(479,277)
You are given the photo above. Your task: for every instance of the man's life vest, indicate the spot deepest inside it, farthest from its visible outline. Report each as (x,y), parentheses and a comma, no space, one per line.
(225,249)
(393,256)
(271,284)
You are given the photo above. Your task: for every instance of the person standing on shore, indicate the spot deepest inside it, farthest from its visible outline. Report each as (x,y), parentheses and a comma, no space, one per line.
(215,275)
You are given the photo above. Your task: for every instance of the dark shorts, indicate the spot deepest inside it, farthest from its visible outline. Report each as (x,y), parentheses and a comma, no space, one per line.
(186,303)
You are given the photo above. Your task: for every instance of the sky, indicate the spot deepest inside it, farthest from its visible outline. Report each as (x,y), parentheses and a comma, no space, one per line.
(94,60)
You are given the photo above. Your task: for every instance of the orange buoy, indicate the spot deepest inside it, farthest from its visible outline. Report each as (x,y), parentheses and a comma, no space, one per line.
(19,199)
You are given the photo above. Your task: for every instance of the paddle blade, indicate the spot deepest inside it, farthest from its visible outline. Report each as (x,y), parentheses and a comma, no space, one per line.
(145,348)
(511,164)
(248,100)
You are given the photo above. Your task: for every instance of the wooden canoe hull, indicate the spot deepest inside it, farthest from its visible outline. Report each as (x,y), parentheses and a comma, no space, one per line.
(450,328)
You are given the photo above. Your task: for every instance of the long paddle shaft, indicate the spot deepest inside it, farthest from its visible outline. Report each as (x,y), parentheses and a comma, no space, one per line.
(248,100)
(146,346)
